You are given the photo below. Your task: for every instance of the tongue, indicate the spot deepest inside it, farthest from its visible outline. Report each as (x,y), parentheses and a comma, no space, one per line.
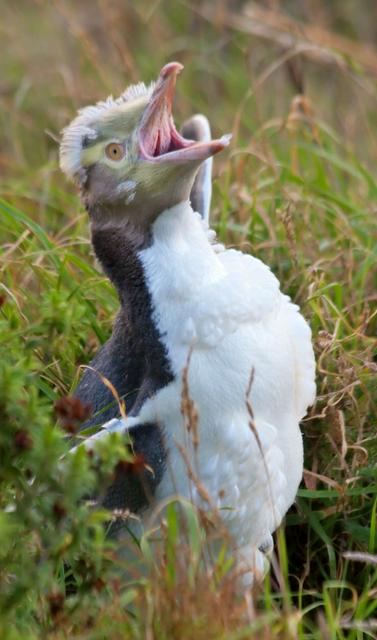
(161,138)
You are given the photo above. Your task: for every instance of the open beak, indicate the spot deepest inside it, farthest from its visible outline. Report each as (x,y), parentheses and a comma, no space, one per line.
(159,141)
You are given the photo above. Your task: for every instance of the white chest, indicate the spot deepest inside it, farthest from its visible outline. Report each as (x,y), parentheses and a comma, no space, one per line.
(228,310)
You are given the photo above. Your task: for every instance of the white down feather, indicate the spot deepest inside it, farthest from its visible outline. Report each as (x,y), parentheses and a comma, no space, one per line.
(229,308)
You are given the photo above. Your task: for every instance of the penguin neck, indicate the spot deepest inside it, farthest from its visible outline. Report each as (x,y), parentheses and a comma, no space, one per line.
(118,248)
(181,260)
(176,236)
(169,260)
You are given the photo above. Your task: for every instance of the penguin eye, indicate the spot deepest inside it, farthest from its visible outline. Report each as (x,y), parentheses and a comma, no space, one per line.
(115,151)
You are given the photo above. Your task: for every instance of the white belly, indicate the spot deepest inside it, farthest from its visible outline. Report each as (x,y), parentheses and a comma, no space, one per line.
(249,468)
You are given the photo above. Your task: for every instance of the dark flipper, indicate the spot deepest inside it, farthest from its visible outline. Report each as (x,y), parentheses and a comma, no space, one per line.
(134,485)
(117,362)
(197,128)
(112,362)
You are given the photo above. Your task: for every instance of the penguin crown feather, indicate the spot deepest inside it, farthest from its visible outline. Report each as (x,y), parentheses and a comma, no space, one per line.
(81,130)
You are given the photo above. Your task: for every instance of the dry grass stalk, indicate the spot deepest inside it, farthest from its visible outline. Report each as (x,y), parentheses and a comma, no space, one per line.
(112,389)
(189,410)
(287,220)
(254,430)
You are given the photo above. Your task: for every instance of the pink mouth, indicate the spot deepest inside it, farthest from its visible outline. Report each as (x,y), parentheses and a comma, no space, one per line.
(158,138)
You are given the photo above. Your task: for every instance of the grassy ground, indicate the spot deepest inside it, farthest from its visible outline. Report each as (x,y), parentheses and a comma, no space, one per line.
(299,189)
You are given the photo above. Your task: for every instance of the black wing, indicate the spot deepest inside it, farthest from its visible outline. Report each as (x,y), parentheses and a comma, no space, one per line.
(115,362)
(134,485)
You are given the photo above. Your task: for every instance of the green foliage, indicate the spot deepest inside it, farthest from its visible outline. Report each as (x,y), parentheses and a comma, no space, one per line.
(298,189)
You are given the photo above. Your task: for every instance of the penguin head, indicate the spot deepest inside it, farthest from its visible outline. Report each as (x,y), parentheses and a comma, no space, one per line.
(127,156)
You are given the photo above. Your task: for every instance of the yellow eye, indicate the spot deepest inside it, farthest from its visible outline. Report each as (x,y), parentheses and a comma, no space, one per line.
(114,151)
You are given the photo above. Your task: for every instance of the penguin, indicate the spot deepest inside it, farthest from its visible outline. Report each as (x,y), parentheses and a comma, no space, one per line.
(195,319)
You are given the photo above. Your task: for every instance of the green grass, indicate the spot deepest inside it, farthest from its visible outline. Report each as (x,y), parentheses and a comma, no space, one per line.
(298,188)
